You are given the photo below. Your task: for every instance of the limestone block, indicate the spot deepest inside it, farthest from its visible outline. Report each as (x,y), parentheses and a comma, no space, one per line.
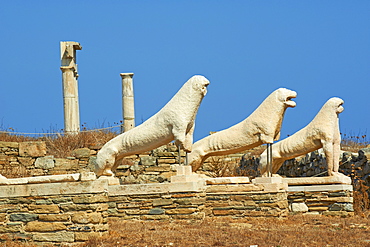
(87,176)
(148,161)
(299,207)
(88,199)
(46,162)
(36,226)
(54,237)
(155,217)
(44,209)
(55,217)
(342,207)
(156,211)
(32,149)
(111,180)
(328,187)
(181,211)
(158,169)
(66,164)
(24,217)
(26,161)
(336,179)
(228,180)
(9,144)
(54,178)
(162,202)
(232,188)
(81,153)
(8,228)
(167,161)
(85,218)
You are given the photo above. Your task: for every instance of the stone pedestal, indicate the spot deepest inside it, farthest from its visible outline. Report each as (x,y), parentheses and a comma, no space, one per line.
(271,184)
(185,174)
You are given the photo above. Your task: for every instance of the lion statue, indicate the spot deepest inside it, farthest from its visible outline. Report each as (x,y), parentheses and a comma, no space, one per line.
(175,121)
(321,132)
(262,126)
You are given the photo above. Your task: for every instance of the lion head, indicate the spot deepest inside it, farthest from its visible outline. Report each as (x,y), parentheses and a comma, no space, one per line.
(336,103)
(285,95)
(200,83)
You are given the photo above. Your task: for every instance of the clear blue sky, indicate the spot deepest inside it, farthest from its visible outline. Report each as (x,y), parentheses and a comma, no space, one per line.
(247,49)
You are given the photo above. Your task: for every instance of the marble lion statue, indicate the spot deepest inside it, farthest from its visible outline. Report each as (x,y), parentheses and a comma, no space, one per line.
(175,121)
(262,126)
(321,132)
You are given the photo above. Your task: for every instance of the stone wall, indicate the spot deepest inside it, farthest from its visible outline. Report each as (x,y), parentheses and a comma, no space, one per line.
(53,213)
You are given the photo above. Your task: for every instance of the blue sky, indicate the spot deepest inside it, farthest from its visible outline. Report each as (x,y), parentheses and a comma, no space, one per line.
(247,49)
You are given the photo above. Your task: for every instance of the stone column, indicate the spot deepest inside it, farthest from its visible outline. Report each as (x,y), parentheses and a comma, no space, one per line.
(70,86)
(128,109)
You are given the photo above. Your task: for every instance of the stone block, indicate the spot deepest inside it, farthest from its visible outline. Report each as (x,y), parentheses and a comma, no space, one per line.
(162,202)
(298,207)
(44,209)
(88,199)
(24,217)
(85,218)
(317,188)
(54,217)
(148,161)
(8,228)
(342,207)
(81,153)
(156,211)
(228,180)
(32,149)
(54,237)
(181,211)
(66,164)
(36,226)
(9,145)
(45,163)
(158,169)
(26,161)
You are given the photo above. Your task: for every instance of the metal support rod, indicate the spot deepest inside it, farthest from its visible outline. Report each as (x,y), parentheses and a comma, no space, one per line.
(179,156)
(269,159)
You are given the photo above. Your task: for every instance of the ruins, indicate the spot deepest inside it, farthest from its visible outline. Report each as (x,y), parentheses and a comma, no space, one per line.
(69,200)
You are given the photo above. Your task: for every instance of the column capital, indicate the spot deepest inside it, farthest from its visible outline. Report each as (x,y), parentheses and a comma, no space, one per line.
(126,75)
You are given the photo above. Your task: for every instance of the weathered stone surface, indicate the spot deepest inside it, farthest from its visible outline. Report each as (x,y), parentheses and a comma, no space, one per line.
(85,218)
(85,199)
(27,161)
(24,217)
(341,207)
(156,211)
(299,207)
(66,164)
(10,228)
(54,237)
(44,209)
(81,153)
(46,162)
(9,144)
(32,149)
(158,169)
(181,211)
(148,161)
(161,202)
(36,226)
(54,217)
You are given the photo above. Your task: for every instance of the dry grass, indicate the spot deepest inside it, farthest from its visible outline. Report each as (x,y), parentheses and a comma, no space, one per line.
(290,231)
(61,146)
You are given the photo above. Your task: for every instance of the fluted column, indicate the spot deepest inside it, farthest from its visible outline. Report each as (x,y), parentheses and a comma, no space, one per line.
(70,86)
(128,109)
